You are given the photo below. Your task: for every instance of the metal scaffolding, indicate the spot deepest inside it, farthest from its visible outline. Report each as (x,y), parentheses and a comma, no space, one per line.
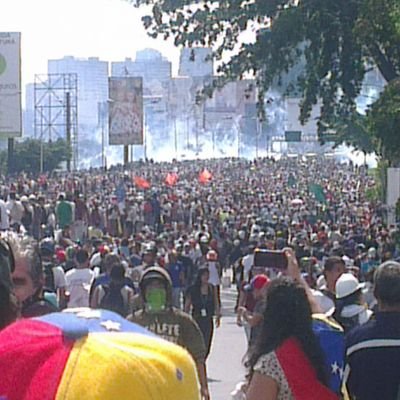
(56,111)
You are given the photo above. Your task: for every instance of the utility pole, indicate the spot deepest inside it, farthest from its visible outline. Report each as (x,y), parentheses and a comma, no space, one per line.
(10,155)
(257,135)
(238,139)
(175,138)
(68,128)
(41,144)
(126,155)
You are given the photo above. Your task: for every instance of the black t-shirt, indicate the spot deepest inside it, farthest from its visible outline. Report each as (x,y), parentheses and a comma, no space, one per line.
(202,302)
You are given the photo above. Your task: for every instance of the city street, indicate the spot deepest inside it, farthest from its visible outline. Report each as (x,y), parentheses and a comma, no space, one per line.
(225,367)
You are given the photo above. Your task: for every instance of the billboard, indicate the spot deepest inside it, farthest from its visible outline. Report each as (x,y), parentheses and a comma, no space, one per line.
(125,111)
(10,84)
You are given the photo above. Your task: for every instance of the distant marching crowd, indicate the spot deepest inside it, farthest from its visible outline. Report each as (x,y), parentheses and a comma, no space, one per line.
(153,243)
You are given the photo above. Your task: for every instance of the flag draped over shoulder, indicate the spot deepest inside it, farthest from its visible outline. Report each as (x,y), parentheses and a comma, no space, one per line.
(205,176)
(171,178)
(331,340)
(300,374)
(318,192)
(141,182)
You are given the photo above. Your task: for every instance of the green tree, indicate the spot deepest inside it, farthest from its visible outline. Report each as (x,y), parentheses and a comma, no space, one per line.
(27,155)
(337,41)
(384,121)
(355,131)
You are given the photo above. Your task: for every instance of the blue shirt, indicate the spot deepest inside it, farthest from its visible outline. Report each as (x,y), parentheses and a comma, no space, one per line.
(373,358)
(175,272)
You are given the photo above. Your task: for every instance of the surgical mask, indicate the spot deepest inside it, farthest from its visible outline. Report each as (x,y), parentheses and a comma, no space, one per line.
(156,300)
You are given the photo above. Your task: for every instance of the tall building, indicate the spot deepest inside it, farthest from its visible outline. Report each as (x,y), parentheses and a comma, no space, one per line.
(196,62)
(149,64)
(92,89)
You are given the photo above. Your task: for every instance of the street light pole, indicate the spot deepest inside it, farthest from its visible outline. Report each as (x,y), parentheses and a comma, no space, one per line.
(238,139)
(145,136)
(257,135)
(41,143)
(175,138)
(102,116)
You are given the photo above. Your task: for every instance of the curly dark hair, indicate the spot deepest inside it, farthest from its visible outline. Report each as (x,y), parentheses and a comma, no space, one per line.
(287,314)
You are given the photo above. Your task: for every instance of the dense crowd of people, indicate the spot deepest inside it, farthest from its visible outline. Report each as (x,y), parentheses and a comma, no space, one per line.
(153,242)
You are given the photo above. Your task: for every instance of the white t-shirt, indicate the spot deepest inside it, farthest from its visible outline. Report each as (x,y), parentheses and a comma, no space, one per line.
(16,211)
(326,304)
(247,262)
(59,278)
(4,223)
(95,261)
(78,285)
(214,275)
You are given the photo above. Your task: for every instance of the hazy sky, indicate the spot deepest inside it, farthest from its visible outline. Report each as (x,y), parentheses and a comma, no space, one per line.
(108,29)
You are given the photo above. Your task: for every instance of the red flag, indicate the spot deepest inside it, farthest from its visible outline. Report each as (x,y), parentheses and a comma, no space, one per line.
(141,182)
(205,176)
(171,179)
(300,374)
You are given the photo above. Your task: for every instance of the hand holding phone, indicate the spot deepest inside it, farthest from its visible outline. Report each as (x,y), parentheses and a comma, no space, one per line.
(293,269)
(270,259)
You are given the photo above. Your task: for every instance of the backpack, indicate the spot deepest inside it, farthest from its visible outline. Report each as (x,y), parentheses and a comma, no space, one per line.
(49,283)
(115,298)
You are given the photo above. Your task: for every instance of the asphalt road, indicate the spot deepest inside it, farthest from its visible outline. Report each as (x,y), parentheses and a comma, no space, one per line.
(225,366)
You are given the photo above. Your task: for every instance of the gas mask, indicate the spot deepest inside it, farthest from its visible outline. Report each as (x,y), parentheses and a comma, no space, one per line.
(156,300)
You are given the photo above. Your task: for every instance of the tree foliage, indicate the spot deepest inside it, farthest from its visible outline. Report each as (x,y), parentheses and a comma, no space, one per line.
(355,131)
(336,40)
(27,156)
(384,120)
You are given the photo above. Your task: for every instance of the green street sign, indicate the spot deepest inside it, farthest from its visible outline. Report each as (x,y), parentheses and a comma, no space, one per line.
(293,136)
(3,64)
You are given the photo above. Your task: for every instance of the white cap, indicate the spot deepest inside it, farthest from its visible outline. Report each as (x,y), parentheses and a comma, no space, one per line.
(346,285)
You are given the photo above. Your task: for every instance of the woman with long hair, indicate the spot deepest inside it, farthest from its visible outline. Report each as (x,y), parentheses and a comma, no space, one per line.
(202,301)
(286,361)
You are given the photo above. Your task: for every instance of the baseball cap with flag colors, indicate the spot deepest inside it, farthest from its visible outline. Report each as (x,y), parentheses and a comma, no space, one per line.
(92,355)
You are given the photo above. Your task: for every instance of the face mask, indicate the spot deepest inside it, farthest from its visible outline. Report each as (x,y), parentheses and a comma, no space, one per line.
(156,300)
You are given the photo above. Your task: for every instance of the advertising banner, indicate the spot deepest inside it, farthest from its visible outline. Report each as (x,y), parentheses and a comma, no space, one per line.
(126,111)
(10,85)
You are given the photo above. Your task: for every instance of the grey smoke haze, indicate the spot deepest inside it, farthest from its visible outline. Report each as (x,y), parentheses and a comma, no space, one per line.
(220,142)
